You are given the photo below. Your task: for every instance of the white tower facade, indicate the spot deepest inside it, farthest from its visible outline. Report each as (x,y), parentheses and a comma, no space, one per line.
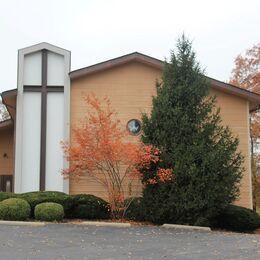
(42,118)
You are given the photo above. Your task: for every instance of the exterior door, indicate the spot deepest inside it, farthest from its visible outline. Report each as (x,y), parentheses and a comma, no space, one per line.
(6,183)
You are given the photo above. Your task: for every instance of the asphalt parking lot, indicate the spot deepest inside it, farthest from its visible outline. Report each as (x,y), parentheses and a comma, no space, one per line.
(65,241)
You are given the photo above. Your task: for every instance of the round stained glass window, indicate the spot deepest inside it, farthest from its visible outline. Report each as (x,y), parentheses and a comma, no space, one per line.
(134,126)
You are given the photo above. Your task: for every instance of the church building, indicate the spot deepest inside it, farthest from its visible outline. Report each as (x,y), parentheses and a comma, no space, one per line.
(48,102)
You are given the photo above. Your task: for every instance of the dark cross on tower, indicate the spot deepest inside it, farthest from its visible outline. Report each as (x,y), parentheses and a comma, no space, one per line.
(44,89)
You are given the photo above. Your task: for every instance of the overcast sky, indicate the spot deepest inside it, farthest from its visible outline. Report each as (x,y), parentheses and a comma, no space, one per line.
(97,30)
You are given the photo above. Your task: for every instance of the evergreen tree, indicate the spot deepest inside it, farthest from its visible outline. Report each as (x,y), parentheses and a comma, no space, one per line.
(186,126)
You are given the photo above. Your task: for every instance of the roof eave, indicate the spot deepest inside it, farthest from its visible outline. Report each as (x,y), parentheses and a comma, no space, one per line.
(115,63)
(6,123)
(252,97)
(5,95)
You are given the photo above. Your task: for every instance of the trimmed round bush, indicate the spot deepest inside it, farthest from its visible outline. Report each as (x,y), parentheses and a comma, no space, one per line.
(15,209)
(49,211)
(134,208)
(87,206)
(237,218)
(38,197)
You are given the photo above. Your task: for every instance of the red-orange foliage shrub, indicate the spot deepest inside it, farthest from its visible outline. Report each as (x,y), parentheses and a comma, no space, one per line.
(162,175)
(100,150)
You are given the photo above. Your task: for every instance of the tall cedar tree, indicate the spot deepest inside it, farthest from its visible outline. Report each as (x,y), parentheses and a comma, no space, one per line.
(186,126)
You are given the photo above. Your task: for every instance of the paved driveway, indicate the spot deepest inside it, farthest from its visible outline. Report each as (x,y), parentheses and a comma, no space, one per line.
(82,242)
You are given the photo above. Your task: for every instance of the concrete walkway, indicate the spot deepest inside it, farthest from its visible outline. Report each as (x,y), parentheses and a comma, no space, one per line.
(63,241)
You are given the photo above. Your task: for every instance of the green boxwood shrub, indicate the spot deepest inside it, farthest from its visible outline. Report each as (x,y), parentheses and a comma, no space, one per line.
(202,222)
(134,210)
(49,211)
(37,197)
(88,207)
(14,209)
(237,218)
(7,195)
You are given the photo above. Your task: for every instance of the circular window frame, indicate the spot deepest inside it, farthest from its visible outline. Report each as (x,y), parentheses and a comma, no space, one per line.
(128,130)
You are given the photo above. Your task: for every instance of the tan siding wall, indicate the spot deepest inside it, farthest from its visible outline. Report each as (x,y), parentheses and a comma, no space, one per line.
(234,113)
(6,146)
(130,88)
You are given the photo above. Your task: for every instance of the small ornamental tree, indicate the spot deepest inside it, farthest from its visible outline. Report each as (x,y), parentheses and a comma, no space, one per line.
(246,74)
(101,151)
(186,127)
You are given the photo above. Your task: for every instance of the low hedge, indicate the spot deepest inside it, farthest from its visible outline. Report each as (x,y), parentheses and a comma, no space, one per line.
(37,197)
(53,205)
(237,218)
(134,209)
(49,211)
(87,206)
(14,209)
(7,195)
(75,206)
